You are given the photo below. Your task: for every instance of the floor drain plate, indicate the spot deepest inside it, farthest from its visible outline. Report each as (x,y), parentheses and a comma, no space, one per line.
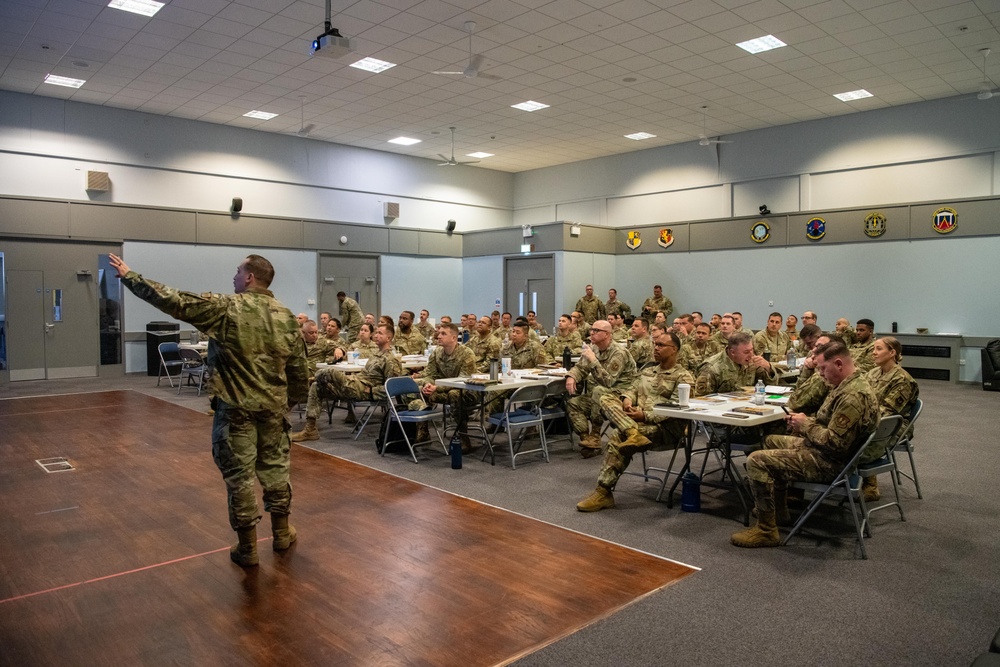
(58,464)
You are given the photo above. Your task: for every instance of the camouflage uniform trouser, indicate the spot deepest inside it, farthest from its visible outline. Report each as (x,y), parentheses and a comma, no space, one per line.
(667,434)
(247,444)
(461,403)
(784,459)
(333,383)
(585,409)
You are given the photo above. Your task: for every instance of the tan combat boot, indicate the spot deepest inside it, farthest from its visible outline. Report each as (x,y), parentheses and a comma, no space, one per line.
(633,442)
(310,432)
(284,535)
(869,487)
(244,552)
(599,500)
(763,534)
(423,433)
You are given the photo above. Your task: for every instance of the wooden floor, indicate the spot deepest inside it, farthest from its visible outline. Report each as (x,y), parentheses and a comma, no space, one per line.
(124,560)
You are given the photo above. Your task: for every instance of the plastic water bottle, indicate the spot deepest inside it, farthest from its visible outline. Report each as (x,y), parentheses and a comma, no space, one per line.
(790,358)
(455,449)
(759,395)
(690,492)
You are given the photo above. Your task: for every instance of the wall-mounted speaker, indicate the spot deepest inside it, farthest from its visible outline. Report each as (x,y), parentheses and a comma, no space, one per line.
(98,181)
(451,226)
(237,205)
(390,209)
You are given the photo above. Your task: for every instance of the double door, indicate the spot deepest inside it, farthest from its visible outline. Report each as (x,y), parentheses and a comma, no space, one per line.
(529,284)
(356,276)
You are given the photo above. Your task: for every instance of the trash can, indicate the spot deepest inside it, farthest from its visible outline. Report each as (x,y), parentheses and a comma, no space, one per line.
(156,333)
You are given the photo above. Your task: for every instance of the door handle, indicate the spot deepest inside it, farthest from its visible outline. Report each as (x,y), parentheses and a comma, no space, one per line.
(49,327)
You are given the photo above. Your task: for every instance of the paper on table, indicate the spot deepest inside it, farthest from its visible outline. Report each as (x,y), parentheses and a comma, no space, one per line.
(774,389)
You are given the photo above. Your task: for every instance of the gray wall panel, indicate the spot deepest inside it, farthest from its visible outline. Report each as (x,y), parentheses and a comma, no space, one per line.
(249,230)
(975,218)
(126,222)
(443,245)
(547,238)
(728,234)
(493,242)
(591,239)
(849,226)
(38,218)
(363,238)
(404,242)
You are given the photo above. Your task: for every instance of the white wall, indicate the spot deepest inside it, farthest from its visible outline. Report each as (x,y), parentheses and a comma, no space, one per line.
(415,283)
(483,284)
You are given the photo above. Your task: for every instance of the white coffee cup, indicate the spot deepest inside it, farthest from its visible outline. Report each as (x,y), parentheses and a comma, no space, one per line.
(684,394)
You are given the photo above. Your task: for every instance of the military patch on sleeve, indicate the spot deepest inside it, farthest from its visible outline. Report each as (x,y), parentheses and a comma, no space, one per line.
(206,295)
(843,421)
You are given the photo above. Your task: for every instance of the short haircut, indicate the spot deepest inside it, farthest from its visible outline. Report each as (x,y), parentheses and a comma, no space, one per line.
(567,316)
(450,326)
(642,321)
(737,339)
(531,312)
(673,339)
(612,289)
(409,312)
(371,329)
(523,326)
(657,286)
(327,313)
(867,322)
(262,270)
(775,314)
(832,350)
(729,317)
(810,331)
(389,321)
(390,329)
(703,324)
(339,294)
(736,312)
(312,322)
(893,345)
(697,312)
(339,325)
(506,313)
(688,317)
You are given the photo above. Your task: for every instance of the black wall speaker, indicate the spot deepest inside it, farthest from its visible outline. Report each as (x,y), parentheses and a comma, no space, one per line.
(237,204)
(451,226)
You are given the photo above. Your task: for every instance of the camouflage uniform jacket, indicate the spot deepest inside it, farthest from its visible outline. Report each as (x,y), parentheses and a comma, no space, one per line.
(656,385)
(614,368)
(896,390)
(540,330)
(591,308)
(501,333)
(652,305)
(364,350)
(862,355)
(316,353)
(255,347)
(720,340)
(692,357)
(620,334)
(426,329)
(777,346)
(485,348)
(847,417)
(720,374)
(351,317)
(641,350)
(849,335)
(556,343)
(530,355)
(331,346)
(380,367)
(584,330)
(460,363)
(618,308)
(411,343)
(808,395)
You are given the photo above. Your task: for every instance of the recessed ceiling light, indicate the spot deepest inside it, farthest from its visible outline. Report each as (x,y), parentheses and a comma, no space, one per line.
(144,7)
(260,115)
(479,154)
(404,141)
(373,65)
(761,44)
(853,95)
(530,105)
(638,136)
(64,81)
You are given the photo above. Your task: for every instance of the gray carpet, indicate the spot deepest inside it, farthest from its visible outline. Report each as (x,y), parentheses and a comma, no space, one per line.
(928,595)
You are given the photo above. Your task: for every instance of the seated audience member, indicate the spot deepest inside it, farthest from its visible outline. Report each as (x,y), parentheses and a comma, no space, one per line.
(818,449)
(809,317)
(484,345)
(811,389)
(334,384)
(897,393)
(641,347)
(535,325)
(792,327)
(450,359)
(698,348)
(336,350)
(772,339)
(301,318)
(727,326)
(582,326)
(564,336)
(696,318)
(365,346)
(502,333)
(660,318)
(637,428)
(522,351)
(620,333)
(408,340)
(864,343)
(323,319)
(495,316)
(733,369)
(738,322)
(370,319)
(714,322)
(316,350)
(424,326)
(608,369)
(845,331)
(532,334)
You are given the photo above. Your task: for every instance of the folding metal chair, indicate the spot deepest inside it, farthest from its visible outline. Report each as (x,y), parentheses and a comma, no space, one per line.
(396,391)
(905,444)
(170,358)
(554,406)
(523,410)
(193,368)
(847,484)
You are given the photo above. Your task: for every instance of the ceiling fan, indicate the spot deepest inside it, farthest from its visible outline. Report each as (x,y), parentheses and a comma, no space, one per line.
(986,89)
(304,129)
(703,139)
(452,162)
(471,70)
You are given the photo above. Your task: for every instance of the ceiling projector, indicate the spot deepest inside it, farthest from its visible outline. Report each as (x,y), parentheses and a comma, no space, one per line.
(331,45)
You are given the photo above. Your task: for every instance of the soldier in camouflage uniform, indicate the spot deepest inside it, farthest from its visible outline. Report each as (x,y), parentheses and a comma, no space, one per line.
(727,327)
(638,429)
(772,339)
(502,332)
(351,316)
(364,345)
(609,369)
(582,326)
(614,306)
(535,325)
(316,348)
(845,331)
(332,344)
(619,333)
(564,336)
(259,367)
(450,359)
(408,340)
(641,347)
(425,328)
(897,393)
(699,347)
(324,317)
(657,302)
(864,343)
(523,352)
(483,344)
(334,384)
(590,306)
(733,369)
(818,451)
(810,389)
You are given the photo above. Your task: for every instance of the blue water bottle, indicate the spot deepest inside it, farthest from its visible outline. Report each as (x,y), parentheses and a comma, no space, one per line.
(455,449)
(690,492)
